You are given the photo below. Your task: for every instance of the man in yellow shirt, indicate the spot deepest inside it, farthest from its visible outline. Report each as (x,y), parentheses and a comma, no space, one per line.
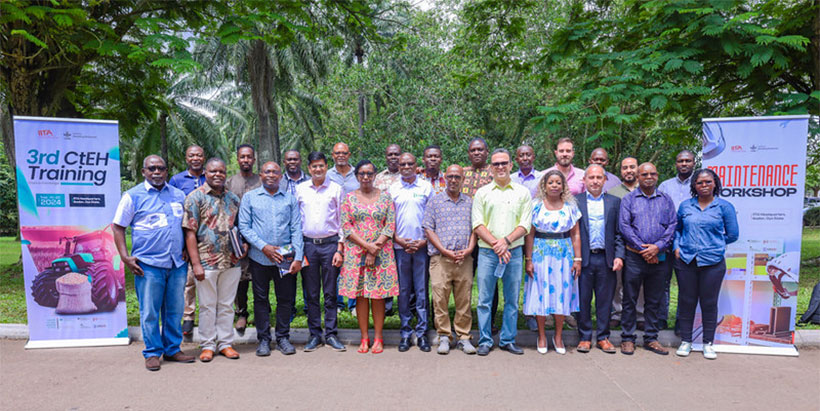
(501,217)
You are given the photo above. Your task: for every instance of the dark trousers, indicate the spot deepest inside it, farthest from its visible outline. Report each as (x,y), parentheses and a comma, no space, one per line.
(652,277)
(699,284)
(285,289)
(663,310)
(320,275)
(599,279)
(412,280)
(241,300)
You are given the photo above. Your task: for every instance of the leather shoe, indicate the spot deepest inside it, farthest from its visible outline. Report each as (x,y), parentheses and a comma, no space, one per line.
(424,345)
(263,348)
(656,348)
(206,355)
(179,357)
(152,363)
(285,347)
(584,346)
(614,323)
(627,347)
(313,344)
(187,327)
(334,343)
(483,350)
(241,324)
(230,353)
(512,349)
(606,346)
(405,344)
(640,325)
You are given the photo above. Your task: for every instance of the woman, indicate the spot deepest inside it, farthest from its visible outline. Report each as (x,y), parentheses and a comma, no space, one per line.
(369,271)
(551,247)
(706,224)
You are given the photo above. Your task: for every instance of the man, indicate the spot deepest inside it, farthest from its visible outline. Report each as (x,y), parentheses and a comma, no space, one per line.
(431,159)
(600,157)
(320,207)
(602,253)
(240,184)
(629,174)
(153,210)
(342,174)
(293,171)
(647,222)
(410,196)
(188,181)
(386,178)
(270,221)
(478,174)
(210,214)
(526,175)
(501,217)
(678,189)
(448,228)
(564,153)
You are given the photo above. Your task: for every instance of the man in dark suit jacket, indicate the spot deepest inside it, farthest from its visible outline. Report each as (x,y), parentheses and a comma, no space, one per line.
(602,252)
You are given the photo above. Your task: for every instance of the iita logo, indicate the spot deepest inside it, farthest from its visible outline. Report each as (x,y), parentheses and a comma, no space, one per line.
(45,133)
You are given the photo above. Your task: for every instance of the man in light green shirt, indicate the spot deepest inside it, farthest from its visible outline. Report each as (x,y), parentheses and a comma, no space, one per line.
(501,217)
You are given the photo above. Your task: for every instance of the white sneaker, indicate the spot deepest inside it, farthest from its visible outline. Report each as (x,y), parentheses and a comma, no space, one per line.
(443,346)
(709,352)
(466,346)
(684,349)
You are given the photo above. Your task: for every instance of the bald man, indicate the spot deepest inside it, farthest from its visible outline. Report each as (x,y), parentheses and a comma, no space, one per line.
(342,174)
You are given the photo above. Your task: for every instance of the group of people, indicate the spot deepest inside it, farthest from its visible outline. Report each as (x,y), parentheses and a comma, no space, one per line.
(420,235)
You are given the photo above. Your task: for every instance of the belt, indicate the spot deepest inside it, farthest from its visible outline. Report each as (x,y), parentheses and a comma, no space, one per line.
(596,251)
(633,250)
(539,234)
(319,241)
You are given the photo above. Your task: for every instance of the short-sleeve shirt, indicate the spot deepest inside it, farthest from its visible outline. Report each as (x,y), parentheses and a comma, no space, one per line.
(212,216)
(187,182)
(348,181)
(450,220)
(501,210)
(475,179)
(439,183)
(410,200)
(385,179)
(290,183)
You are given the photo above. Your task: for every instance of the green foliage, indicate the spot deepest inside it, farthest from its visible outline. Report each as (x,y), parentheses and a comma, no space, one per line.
(8,199)
(812,217)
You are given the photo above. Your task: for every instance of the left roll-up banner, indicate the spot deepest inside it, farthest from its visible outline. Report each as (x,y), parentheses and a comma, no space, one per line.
(68,188)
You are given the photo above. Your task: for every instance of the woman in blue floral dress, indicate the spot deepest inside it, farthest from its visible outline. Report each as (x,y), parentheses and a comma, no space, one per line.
(551,285)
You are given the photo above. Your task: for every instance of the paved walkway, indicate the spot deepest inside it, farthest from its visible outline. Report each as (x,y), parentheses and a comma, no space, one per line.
(110,378)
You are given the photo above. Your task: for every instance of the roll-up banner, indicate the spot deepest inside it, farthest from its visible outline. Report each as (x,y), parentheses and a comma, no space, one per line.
(68,188)
(761,162)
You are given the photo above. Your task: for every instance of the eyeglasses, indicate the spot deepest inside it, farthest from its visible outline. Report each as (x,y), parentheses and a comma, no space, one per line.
(501,164)
(156,168)
(406,164)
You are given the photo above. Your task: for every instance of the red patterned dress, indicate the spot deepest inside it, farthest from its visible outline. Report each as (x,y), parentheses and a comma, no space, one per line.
(369,221)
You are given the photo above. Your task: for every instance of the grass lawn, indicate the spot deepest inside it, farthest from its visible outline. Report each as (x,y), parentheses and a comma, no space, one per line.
(13,300)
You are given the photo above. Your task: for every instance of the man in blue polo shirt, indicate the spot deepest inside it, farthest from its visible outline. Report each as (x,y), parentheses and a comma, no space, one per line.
(153,210)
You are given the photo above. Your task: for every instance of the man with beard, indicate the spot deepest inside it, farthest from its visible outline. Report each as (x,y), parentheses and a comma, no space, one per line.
(564,153)
(210,214)
(153,210)
(293,171)
(342,174)
(188,181)
(526,175)
(240,184)
(432,168)
(600,157)
(386,178)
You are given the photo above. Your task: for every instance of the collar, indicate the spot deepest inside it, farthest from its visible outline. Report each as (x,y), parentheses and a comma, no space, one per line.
(590,197)
(525,177)
(508,186)
(149,187)
(655,192)
(428,178)
(189,175)
(325,184)
(335,170)
(410,184)
(263,191)
(461,197)
(685,181)
(207,189)
(301,176)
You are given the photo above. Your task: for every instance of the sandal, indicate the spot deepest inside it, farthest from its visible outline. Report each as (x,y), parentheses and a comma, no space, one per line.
(364,346)
(378,346)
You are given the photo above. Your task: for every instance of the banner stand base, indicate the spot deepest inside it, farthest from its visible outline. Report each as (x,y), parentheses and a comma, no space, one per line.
(790,351)
(87,342)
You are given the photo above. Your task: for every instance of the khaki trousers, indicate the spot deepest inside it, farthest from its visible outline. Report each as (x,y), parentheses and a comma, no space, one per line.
(190,296)
(216,294)
(458,278)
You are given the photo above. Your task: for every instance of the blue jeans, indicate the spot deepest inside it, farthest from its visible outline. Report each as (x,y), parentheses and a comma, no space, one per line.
(412,270)
(511,281)
(160,293)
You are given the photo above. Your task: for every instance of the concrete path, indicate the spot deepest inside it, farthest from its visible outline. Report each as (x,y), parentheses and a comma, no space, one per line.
(112,378)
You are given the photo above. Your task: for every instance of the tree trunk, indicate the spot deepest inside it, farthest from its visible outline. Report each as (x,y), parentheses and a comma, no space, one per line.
(360,61)
(815,49)
(274,123)
(163,138)
(259,74)
(7,129)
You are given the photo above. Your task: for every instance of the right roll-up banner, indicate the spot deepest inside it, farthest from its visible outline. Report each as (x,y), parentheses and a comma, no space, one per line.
(761,162)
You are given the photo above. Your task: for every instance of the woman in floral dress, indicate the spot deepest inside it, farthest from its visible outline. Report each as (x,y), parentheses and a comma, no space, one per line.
(551,247)
(369,271)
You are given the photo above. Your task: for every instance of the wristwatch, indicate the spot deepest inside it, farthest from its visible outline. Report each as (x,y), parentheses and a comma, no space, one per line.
(507,240)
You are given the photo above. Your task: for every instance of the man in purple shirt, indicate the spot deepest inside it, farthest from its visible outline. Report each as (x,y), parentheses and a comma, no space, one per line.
(647,221)
(600,157)
(526,175)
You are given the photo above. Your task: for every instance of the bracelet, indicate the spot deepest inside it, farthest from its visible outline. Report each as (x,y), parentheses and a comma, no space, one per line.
(339,252)
(577,259)
(527,258)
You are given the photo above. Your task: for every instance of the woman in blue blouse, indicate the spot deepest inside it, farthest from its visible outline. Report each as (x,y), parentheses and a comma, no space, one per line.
(706,224)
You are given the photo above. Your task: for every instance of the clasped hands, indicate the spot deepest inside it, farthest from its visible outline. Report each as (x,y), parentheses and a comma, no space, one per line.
(650,253)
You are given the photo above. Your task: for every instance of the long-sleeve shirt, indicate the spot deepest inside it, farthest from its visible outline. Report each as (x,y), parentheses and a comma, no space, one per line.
(270,219)
(575,179)
(647,220)
(501,210)
(321,208)
(679,191)
(705,233)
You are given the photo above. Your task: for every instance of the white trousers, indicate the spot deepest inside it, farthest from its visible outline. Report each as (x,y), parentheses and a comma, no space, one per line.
(216,294)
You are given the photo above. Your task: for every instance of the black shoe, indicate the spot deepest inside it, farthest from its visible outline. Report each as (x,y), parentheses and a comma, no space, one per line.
(495,330)
(313,344)
(263,349)
(663,325)
(483,350)
(390,312)
(405,344)
(187,327)
(334,343)
(285,347)
(512,349)
(639,326)
(424,345)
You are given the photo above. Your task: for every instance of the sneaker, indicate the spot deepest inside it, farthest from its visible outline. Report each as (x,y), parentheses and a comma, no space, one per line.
(285,347)
(684,349)
(263,349)
(466,347)
(443,346)
(709,352)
